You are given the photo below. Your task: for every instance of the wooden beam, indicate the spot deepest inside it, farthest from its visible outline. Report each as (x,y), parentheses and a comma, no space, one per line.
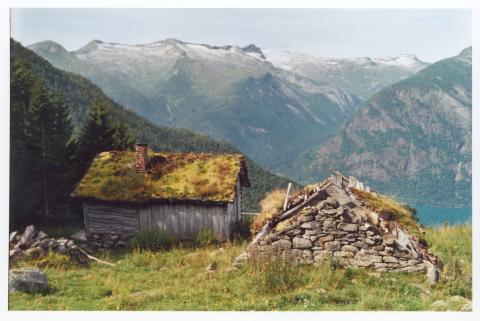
(286,196)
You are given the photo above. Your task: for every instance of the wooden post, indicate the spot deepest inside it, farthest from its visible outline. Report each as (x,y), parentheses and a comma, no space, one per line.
(286,196)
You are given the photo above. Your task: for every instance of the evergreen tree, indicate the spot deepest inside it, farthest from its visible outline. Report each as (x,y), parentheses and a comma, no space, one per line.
(21,83)
(122,137)
(99,134)
(48,129)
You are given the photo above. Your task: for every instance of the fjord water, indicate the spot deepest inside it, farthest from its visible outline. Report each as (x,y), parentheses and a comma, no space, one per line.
(431,216)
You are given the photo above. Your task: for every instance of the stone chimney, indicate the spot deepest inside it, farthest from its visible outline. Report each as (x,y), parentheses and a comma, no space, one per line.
(141,157)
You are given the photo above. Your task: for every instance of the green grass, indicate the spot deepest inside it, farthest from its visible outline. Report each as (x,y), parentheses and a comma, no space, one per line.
(401,213)
(112,177)
(177,280)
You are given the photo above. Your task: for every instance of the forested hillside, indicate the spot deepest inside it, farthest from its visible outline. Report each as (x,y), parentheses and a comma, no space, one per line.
(78,94)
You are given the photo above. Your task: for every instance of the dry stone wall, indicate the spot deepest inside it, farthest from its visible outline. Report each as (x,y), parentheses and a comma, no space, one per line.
(336,227)
(98,241)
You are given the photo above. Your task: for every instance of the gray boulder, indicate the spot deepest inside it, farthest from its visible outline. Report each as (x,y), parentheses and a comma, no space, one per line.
(27,280)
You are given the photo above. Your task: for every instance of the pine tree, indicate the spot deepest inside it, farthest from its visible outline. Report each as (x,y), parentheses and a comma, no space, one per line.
(99,134)
(21,83)
(122,137)
(48,129)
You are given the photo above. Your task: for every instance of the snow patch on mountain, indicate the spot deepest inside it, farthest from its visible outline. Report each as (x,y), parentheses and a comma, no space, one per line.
(289,60)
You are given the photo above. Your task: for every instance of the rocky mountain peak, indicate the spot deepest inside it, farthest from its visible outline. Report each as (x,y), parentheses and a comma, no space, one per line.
(252,48)
(466,53)
(171,41)
(91,46)
(48,46)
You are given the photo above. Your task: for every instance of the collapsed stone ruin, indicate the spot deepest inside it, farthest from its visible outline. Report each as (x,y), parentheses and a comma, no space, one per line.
(328,222)
(36,244)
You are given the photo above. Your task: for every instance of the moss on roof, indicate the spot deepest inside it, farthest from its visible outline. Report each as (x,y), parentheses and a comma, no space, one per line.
(402,214)
(195,176)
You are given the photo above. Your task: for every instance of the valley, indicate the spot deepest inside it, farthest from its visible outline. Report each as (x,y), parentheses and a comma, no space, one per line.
(298,115)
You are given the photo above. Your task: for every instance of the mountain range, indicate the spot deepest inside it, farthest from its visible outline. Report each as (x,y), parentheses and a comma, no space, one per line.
(361,76)
(412,139)
(400,123)
(230,93)
(78,94)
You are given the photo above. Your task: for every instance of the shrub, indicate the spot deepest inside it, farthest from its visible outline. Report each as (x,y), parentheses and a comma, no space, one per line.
(204,237)
(152,239)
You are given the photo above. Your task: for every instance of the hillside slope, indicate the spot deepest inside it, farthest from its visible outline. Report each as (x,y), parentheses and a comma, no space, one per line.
(412,139)
(79,92)
(229,93)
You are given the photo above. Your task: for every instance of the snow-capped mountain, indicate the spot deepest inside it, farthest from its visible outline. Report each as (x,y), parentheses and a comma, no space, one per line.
(361,76)
(231,93)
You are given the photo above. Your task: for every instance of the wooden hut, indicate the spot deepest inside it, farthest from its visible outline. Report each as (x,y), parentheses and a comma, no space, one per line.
(181,193)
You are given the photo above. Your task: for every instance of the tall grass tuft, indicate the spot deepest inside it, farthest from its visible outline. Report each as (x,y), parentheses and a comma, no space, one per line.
(152,239)
(275,276)
(453,244)
(204,237)
(270,206)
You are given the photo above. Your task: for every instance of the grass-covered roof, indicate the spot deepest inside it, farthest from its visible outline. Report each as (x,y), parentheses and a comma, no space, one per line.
(183,176)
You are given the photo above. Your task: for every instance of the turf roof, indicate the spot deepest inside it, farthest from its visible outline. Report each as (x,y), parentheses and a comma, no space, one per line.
(187,176)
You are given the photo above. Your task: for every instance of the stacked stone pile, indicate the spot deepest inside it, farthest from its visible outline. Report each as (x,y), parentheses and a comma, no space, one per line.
(335,225)
(37,244)
(106,241)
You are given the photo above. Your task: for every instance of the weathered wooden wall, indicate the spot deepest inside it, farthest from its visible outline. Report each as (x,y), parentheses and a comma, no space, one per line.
(182,219)
(185,220)
(104,218)
(234,209)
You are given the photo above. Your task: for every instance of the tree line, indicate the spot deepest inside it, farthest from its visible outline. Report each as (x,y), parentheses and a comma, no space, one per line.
(46,158)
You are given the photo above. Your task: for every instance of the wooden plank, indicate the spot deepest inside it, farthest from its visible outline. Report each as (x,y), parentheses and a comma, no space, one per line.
(85,217)
(143,217)
(113,216)
(173,219)
(114,222)
(156,218)
(213,215)
(113,209)
(109,224)
(239,202)
(181,214)
(226,226)
(286,196)
(190,221)
(103,219)
(198,220)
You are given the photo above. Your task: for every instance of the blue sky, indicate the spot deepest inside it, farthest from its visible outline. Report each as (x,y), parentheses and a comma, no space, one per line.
(431,34)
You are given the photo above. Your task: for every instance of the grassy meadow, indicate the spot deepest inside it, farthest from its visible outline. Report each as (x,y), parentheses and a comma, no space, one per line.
(177,280)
